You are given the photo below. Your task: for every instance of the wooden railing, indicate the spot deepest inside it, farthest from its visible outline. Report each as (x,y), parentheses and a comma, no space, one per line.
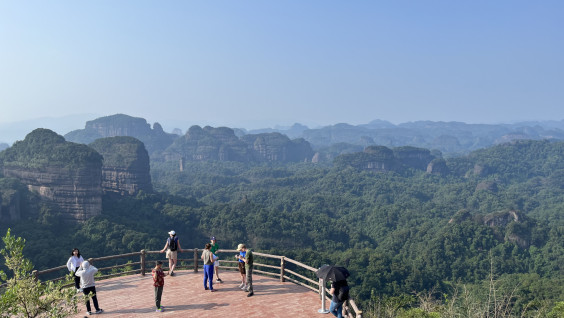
(286,269)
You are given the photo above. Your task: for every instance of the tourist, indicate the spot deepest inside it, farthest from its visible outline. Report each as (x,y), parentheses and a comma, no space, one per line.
(171,247)
(214,248)
(336,307)
(248,259)
(158,283)
(86,273)
(241,264)
(208,258)
(73,264)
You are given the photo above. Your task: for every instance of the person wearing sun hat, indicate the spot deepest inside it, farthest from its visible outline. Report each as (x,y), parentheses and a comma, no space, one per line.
(172,247)
(249,260)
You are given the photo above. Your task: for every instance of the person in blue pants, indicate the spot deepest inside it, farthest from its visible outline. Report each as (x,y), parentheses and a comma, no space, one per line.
(208,258)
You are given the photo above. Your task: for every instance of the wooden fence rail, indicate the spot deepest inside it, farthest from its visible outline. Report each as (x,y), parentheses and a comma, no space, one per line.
(298,276)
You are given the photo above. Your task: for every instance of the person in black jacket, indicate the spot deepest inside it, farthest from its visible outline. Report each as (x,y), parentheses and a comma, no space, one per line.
(336,307)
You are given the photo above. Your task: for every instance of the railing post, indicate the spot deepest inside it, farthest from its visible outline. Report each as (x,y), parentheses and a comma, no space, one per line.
(142,262)
(195,260)
(282,263)
(322,293)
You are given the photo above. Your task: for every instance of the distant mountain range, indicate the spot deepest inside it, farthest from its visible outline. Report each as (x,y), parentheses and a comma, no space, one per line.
(449,138)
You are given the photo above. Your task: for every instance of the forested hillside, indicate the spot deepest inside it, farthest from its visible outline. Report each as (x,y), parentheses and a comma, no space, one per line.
(497,214)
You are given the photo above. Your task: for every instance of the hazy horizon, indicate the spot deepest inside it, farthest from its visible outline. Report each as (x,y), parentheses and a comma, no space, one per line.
(256,64)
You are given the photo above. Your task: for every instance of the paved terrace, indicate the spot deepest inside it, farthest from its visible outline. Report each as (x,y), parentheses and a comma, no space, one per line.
(184,296)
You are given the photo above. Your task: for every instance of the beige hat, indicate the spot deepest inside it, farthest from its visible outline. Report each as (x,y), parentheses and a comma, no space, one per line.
(241,246)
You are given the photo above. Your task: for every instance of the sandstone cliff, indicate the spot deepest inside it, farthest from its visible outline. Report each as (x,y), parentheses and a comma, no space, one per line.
(381,158)
(221,144)
(126,168)
(65,174)
(155,139)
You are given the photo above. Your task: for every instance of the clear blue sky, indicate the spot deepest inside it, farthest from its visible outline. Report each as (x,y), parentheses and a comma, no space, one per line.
(259,63)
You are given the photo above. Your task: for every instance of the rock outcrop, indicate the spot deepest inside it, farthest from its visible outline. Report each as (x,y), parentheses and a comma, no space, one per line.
(380,158)
(221,144)
(437,166)
(278,147)
(10,205)
(126,168)
(155,139)
(65,174)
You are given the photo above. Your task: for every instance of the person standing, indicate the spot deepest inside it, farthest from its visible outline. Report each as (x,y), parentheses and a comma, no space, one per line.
(214,248)
(241,264)
(336,307)
(208,258)
(73,264)
(158,283)
(86,273)
(171,247)
(249,260)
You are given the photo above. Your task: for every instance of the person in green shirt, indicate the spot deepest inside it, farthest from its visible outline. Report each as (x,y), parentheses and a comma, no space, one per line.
(249,260)
(214,248)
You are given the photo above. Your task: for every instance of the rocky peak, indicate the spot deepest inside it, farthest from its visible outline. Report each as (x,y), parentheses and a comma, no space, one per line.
(62,173)
(126,167)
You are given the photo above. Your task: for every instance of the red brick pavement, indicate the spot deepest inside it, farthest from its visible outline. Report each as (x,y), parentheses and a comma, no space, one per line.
(184,296)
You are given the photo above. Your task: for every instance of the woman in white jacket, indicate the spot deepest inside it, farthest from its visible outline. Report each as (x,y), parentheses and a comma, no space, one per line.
(73,264)
(86,273)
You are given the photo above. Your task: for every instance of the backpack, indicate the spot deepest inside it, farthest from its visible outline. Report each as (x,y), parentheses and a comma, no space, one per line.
(173,243)
(343,293)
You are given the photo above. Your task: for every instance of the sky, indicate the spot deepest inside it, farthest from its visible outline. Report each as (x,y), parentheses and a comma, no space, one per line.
(257,64)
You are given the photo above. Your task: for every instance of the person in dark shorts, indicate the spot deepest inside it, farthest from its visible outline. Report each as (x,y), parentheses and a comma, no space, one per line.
(249,260)
(241,264)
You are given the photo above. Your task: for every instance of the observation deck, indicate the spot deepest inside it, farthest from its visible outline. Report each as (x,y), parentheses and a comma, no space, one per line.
(282,287)
(184,296)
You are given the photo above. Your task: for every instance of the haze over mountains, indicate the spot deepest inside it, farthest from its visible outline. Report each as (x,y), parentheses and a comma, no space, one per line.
(450,138)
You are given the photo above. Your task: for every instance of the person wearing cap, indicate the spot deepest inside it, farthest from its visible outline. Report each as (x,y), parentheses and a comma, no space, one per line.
(214,248)
(248,259)
(171,247)
(241,265)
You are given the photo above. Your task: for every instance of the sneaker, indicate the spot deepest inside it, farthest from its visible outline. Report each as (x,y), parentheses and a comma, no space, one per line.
(219,280)
(245,290)
(250,294)
(213,290)
(89,312)
(160,310)
(99,311)
(242,285)
(171,273)
(206,288)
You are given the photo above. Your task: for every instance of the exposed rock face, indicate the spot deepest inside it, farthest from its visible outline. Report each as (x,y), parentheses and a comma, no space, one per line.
(437,166)
(516,228)
(126,168)
(380,158)
(62,173)
(417,158)
(76,192)
(278,147)
(221,144)
(10,208)
(155,139)
(501,219)
(202,144)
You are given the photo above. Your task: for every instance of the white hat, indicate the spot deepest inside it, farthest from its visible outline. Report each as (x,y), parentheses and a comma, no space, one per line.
(172,232)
